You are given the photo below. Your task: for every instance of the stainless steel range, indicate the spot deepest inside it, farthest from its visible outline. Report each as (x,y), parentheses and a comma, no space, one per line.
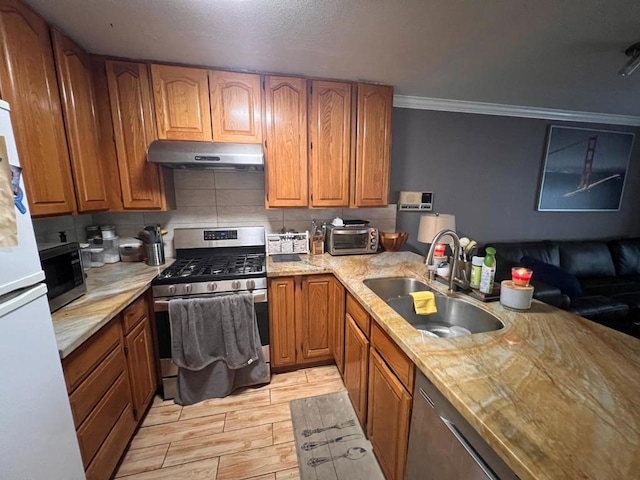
(209,262)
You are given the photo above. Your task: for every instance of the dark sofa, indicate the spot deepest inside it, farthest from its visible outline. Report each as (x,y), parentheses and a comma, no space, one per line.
(608,274)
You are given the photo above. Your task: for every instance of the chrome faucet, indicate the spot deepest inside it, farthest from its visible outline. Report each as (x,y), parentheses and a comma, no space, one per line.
(454,280)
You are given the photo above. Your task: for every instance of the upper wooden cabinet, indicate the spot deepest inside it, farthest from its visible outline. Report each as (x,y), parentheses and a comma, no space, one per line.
(28,82)
(236,107)
(81,121)
(142,182)
(329,143)
(181,97)
(286,142)
(370,183)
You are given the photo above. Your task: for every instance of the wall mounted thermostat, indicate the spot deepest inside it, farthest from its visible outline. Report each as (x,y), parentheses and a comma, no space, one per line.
(416,201)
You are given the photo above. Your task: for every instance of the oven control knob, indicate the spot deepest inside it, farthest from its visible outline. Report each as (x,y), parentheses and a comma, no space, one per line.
(172,289)
(251,284)
(235,285)
(213,286)
(187,288)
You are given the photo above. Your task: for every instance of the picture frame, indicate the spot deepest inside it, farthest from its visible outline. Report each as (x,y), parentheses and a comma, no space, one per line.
(584,170)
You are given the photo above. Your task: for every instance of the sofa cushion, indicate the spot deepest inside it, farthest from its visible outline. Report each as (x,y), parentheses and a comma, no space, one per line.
(586,259)
(626,256)
(601,309)
(554,276)
(509,254)
(611,290)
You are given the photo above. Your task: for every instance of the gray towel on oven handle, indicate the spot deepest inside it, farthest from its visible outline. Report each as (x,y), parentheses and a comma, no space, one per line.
(204,330)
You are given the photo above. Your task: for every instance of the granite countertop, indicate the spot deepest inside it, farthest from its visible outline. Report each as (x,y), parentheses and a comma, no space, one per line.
(109,290)
(555,395)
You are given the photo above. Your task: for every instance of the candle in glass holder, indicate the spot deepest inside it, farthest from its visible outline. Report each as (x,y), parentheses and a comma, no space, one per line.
(439,250)
(521,276)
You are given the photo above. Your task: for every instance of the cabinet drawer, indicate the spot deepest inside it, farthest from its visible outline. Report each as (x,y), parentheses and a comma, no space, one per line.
(397,360)
(359,314)
(134,313)
(89,393)
(105,461)
(81,362)
(96,427)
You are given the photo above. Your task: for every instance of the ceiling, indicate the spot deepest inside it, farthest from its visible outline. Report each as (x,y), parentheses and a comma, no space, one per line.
(539,53)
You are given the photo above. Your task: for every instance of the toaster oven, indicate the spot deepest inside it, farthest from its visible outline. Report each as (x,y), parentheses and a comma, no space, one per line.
(351,240)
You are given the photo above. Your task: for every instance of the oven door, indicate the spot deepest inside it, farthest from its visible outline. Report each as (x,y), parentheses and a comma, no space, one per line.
(163,331)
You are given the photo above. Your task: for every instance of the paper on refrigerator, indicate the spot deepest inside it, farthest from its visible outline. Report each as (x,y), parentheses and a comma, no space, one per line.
(8,227)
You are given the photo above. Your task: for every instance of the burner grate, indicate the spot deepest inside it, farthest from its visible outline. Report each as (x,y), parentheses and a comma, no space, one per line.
(210,267)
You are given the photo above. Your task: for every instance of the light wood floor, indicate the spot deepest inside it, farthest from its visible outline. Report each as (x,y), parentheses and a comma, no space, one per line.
(247,435)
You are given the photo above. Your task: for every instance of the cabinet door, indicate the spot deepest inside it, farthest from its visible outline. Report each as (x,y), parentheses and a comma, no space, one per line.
(236,107)
(286,141)
(373,150)
(329,144)
(81,121)
(28,83)
(336,319)
(282,322)
(314,325)
(356,367)
(388,418)
(140,359)
(181,98)
(134,131)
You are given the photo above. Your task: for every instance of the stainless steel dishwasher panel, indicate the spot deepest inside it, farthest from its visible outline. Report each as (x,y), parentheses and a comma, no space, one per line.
(443,446)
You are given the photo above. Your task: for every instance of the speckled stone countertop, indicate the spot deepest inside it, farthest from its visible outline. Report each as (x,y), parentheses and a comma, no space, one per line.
(555,395)
(109,290)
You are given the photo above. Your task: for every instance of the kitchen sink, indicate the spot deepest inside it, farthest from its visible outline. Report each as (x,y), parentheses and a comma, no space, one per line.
(455,317)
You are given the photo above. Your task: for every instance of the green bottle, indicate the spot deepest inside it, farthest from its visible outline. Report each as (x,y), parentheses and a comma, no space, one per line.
(488,270)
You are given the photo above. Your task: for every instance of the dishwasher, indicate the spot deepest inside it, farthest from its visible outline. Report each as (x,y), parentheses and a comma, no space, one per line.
(444,446)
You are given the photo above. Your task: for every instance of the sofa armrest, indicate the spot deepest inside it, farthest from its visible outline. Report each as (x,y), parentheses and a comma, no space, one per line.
(549,294)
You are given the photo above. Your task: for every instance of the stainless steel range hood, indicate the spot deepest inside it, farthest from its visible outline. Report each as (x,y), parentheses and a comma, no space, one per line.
(206,155)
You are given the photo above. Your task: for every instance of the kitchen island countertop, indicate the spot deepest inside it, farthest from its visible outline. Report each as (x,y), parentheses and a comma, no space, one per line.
(109,290)
(554,394)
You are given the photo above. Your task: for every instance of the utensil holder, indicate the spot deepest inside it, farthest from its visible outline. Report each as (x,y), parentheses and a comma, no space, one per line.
(155,254)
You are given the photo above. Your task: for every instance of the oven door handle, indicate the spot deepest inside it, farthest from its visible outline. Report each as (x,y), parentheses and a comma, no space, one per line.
(162,305)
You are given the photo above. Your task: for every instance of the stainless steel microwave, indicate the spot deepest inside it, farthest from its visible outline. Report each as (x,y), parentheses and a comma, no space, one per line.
(63,273)
(351,240)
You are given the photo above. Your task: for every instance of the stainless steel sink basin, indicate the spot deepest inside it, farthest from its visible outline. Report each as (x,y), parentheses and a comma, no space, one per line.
(455,317)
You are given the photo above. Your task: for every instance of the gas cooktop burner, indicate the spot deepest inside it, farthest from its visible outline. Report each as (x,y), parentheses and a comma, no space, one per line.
(214,268)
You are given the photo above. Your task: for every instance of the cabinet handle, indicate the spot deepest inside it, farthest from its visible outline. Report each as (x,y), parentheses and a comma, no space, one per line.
(472,453)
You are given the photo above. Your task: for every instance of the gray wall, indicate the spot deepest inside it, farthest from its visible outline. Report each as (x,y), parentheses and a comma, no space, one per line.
(486,171)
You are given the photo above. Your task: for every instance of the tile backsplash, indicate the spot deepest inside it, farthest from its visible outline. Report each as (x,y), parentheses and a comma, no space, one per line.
(207,198)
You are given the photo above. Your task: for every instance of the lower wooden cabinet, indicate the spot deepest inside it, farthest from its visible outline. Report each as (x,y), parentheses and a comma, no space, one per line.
(356,367)
(389,413)
(111,380)
(302,316)
(379,378)
(337,318)
(140,356)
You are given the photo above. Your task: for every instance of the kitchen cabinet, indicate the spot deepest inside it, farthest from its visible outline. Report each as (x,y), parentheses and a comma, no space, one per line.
(29,84)
(389,411)
(236,106)
(111,380)
(80,116)
(99,393)
(337,318)
(181,98)
(144,186)
(356,367)
(285,145)
(139,349)
(301,317)
(329,143)
(371,169)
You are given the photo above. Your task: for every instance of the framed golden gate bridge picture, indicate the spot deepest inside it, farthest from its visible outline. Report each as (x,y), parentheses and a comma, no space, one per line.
(584,169)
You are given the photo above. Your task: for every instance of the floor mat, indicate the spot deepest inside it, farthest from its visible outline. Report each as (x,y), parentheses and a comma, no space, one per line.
(329,440)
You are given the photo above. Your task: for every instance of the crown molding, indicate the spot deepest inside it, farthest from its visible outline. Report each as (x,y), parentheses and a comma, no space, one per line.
(462,106)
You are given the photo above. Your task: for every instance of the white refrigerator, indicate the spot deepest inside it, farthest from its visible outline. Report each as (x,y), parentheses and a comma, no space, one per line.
(37,434)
